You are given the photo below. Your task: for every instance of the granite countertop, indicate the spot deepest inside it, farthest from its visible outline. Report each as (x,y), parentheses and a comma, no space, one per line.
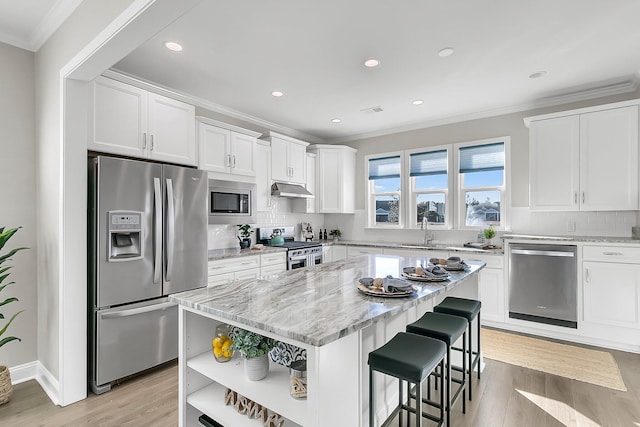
(580,239)
(437,246)
(216,254)
(320,304)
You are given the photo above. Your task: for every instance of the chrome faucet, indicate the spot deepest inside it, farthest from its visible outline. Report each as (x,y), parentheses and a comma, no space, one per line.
(425,226)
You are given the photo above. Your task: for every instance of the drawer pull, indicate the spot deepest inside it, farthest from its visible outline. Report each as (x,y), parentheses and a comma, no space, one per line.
(613,253)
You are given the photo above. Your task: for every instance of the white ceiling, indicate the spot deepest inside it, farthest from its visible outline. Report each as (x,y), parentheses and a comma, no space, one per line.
(237,52)
(29,23)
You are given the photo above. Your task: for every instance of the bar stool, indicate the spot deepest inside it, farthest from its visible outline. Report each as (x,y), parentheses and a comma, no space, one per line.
(448,329)
(410,358)
(469,309)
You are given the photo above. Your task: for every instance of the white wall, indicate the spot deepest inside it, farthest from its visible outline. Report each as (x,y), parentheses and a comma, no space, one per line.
(18,197)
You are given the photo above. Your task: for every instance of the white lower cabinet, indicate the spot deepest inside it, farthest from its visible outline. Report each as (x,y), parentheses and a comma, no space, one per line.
(611,288)
(204,380)
(354,251)
(491,286)
(271,264)
(332,253)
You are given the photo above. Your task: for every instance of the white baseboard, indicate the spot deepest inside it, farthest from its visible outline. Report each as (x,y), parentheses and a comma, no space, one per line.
(36,371)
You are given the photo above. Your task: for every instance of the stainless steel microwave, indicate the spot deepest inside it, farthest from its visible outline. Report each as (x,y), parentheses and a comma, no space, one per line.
(231,202)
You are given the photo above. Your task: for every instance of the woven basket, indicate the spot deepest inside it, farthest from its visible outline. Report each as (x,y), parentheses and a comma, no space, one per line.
(6,389)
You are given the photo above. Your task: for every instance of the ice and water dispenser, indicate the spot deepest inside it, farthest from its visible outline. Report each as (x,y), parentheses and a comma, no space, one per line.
(125,236)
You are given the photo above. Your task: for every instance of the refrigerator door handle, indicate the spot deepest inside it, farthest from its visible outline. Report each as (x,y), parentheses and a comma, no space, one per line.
(157,238)
(157,235)
(171,218)
(139,310)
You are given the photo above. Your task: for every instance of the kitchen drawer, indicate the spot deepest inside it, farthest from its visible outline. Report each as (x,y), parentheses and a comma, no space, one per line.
(272,269)
(274,259)
(230,265)
(219,279)
(624,254)
(492,261)
(353,251)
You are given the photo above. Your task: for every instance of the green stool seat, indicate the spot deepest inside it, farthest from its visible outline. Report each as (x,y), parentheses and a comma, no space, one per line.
(467,308)
(470,310)
(448,329)
(443,327)
(410,358)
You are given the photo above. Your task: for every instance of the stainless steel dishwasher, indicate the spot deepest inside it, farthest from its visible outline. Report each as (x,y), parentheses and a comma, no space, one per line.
(543,283)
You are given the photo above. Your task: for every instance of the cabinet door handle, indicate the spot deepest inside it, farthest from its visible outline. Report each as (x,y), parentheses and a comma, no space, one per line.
(583,197)
(151,136)
(586,275)
(234,161)
(144,141)
(575,198)
(613,253)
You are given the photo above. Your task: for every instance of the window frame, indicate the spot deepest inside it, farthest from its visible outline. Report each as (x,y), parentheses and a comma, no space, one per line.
(412,193)
(371,194)
(504,189)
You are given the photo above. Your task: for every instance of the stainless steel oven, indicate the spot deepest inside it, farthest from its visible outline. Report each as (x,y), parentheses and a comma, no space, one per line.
(305,257)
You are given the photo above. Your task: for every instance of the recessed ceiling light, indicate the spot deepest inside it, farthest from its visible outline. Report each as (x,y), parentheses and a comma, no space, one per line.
(176,47)
(371,63)
(538,74)
(335,120)
(417,102)
(277,93)
(447,51)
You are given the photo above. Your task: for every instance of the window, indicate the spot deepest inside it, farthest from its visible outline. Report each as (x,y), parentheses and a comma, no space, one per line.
(482,183)
(385,185)
(429,184)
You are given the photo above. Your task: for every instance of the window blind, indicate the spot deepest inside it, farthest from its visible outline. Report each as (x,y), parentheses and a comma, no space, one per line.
(482,158)
(384,167)
(429,163)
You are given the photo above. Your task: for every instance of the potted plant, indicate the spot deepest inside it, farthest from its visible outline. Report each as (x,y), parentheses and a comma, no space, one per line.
(489,234)
(255,349)
(336,233)
(6,389)
(245,232)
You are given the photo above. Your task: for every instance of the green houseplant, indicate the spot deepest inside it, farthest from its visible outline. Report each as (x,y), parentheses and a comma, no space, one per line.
(6,388)
(255,348)
(336,233)
(245,232)
(489,234)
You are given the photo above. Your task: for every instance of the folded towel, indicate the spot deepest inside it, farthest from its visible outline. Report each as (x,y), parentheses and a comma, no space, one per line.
(393,285)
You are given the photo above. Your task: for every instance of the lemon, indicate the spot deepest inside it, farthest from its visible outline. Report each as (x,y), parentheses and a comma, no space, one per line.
(218,341)
(217,351)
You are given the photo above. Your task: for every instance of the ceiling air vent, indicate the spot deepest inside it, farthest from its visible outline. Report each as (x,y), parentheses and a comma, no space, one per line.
(376,109)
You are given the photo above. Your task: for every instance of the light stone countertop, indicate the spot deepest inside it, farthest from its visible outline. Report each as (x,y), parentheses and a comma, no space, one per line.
(436,246)
(320,304)
(580,239)
(216,254)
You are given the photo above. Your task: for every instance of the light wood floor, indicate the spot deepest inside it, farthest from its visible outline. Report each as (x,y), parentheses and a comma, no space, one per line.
(505,396)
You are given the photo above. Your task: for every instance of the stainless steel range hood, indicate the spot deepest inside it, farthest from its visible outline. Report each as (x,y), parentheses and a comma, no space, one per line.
(282,189)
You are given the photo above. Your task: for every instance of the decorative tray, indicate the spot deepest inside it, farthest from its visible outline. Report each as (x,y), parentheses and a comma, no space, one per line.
(367,287)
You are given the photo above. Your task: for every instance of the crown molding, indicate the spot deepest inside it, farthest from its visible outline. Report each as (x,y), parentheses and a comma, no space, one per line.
(627,86)
(51,21)
(203,103)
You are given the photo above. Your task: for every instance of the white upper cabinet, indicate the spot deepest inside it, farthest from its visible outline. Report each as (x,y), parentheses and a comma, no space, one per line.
(335,178)
(585,160)
(288,159)
(226,149)
(263,176)
(133,122)
(308,205)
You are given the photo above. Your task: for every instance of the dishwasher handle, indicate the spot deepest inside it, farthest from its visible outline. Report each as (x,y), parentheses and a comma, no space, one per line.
(542,253)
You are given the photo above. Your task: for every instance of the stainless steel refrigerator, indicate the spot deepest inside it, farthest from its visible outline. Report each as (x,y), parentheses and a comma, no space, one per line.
(147,239)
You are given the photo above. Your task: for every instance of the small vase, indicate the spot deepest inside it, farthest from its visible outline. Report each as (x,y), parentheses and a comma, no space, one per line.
(256,368)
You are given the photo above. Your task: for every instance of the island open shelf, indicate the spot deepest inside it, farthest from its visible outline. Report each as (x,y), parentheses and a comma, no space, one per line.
(318,309)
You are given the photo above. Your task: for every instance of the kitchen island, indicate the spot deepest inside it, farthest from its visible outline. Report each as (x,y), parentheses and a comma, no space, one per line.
(318,309)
